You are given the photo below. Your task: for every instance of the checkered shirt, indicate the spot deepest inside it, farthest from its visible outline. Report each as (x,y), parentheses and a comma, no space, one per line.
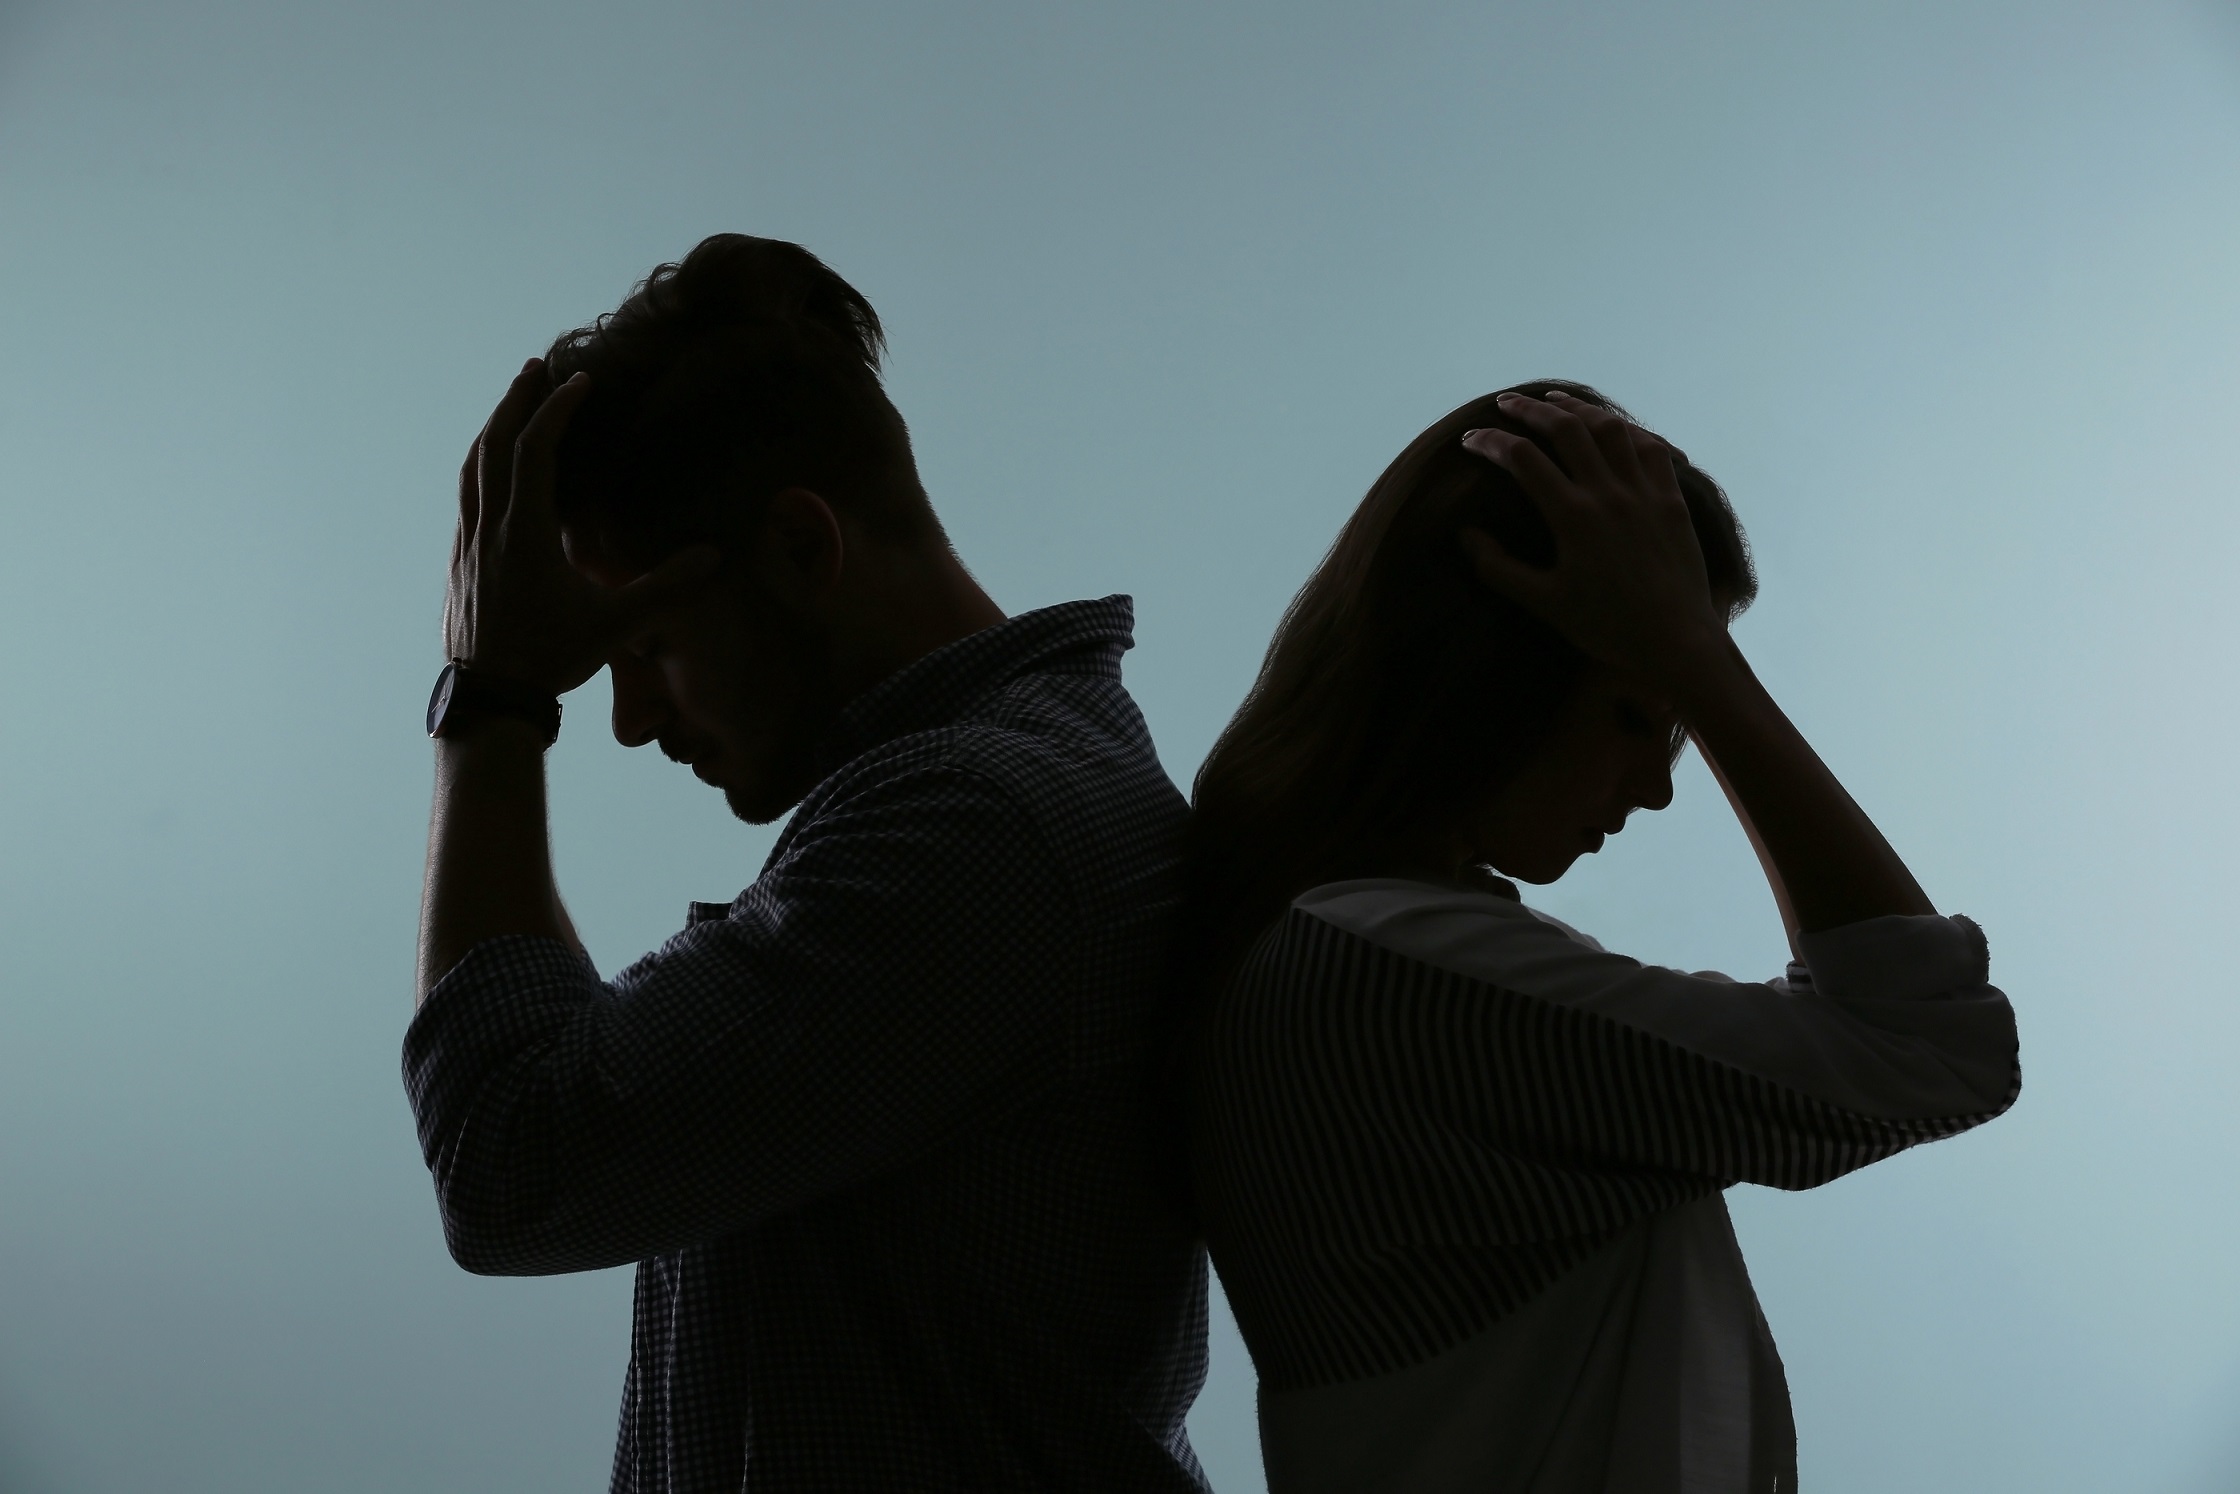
(879,1133)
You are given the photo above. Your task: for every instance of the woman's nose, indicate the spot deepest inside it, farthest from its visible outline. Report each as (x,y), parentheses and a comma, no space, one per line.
(641,704)
(1652,786)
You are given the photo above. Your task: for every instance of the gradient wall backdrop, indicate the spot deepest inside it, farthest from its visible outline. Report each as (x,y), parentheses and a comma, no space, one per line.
(1945,292)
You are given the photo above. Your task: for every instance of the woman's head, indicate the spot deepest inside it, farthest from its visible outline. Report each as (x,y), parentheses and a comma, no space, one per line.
(1405,711)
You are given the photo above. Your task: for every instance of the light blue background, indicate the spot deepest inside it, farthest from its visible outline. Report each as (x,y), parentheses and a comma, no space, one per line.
(1944,292)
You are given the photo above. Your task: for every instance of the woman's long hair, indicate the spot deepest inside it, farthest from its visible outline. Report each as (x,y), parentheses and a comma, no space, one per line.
(1397,685)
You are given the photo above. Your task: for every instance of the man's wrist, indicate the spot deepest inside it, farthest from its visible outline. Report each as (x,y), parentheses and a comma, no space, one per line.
(493,735)
(464,697)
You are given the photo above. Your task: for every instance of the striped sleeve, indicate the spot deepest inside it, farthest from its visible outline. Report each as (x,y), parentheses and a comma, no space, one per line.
(1414,1108)
(1887,1035)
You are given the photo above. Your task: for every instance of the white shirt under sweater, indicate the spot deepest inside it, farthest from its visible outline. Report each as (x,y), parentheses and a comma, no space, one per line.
(1643,1366)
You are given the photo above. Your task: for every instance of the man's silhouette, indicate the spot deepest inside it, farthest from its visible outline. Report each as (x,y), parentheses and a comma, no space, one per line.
(876,1132)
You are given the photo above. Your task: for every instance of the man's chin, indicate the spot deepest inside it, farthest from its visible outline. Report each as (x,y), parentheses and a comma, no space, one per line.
(758,807)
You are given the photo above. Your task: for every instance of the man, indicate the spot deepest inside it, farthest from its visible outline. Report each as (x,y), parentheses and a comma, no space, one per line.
(878,1132)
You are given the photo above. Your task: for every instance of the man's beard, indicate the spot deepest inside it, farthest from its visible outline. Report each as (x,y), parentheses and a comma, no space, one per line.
(764,804)
(800,725)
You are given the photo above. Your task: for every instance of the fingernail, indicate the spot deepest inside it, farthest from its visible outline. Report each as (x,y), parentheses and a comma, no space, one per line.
(1506,394)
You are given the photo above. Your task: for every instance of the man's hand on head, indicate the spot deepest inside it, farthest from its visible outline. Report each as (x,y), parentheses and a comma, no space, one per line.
(517,609)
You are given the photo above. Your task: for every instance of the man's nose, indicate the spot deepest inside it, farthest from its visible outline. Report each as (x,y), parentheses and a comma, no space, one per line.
(641,704)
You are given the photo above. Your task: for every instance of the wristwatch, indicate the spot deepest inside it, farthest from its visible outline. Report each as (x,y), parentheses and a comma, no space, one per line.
(463,697)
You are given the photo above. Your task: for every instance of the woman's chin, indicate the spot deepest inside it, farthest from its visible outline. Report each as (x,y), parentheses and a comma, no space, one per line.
(1539,871)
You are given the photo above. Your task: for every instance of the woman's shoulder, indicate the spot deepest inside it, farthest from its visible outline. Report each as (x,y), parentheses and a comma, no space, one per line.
(1435,921)
(1372,895)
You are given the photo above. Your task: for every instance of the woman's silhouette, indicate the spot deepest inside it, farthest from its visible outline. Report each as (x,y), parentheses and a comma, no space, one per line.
(1461,1168)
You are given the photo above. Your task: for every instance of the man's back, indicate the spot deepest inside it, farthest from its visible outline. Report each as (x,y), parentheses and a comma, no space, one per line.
(880,1131)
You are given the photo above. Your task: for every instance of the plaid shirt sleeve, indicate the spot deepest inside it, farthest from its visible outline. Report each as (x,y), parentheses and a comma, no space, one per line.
(874,994)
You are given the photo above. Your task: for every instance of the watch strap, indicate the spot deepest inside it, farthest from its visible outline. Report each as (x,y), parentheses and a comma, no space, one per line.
(463,696)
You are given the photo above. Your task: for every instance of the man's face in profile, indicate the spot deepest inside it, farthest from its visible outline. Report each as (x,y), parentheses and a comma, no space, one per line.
(725,682)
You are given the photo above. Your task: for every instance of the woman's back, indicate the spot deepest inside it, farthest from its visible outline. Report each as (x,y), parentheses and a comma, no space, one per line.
(1460,1170)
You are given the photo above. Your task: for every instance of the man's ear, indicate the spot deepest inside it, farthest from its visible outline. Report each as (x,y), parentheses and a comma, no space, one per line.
(800,552)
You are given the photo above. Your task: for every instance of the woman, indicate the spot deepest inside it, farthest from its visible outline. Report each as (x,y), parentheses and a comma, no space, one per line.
(1459,1167)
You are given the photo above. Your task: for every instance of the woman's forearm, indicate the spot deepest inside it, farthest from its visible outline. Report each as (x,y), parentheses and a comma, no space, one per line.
(1781,902)
(1826,861)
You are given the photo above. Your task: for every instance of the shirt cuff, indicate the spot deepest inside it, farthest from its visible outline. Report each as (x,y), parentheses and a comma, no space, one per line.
(508,994)
(1903,957)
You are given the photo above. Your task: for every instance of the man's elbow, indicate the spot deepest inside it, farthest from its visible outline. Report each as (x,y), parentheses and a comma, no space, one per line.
(488,1245)
(492,1224)
(504,1233)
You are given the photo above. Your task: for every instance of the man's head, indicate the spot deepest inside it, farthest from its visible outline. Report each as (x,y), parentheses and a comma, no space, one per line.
(746,368)
(735,400)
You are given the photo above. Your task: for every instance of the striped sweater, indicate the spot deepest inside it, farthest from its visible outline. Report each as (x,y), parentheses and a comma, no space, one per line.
(1415,1107)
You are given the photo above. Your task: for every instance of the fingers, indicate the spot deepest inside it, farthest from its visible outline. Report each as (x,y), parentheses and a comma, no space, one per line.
(1527,585)
(495,451)
(462,540)
(470,496)
(533,451)
(1660,462)
(1535,471)
(1564,430)
(1612,433)
(1633,459)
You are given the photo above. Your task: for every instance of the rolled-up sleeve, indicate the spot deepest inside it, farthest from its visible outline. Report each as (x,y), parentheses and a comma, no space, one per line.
(898,974)
(1886,1035)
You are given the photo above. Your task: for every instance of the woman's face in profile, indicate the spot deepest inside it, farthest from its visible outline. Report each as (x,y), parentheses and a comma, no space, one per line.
(1611,752)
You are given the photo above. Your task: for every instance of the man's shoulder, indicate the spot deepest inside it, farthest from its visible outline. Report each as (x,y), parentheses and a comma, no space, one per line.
(1074,736)
(1069,753)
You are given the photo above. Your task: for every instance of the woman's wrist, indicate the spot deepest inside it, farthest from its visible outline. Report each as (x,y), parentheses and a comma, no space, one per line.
(1707,677)
(1827,863)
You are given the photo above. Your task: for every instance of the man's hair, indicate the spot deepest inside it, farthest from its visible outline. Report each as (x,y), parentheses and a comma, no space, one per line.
(745,368)
(1398,684)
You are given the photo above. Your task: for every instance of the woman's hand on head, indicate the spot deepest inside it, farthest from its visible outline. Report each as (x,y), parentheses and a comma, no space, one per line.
(1628,586)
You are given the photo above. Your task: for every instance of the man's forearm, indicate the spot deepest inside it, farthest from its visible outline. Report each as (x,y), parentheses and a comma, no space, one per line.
(489,866)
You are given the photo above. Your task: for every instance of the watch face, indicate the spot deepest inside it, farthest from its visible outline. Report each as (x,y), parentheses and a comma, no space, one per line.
(440,701)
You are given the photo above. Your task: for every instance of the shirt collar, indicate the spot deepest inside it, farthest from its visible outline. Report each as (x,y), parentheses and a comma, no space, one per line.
(1072,638)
